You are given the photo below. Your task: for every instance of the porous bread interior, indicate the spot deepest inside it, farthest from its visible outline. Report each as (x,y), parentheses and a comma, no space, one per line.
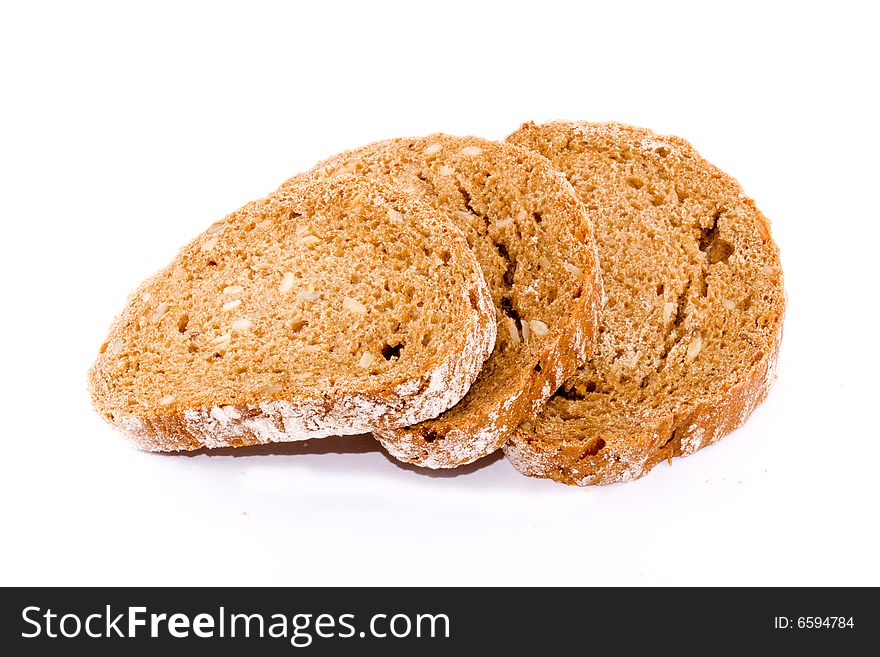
(693,283)
(324,288)
(528,234)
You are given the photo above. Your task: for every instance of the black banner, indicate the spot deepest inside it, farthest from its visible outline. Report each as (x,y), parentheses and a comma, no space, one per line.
(433,621)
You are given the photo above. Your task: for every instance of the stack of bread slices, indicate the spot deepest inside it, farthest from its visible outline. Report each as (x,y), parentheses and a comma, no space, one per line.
(592,298)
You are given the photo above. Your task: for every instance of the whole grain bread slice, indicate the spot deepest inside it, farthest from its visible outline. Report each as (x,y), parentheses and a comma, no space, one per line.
(330,307)
(534,243)
(693,320)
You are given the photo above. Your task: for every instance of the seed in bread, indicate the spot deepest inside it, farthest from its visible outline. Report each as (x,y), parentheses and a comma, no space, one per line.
(693,319)
(331,307)
(533,241)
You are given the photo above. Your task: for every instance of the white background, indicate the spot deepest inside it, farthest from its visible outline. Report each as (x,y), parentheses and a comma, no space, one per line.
(127,129)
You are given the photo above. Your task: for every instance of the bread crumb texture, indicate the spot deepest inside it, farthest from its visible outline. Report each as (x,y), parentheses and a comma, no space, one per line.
(330,307)
(534,243)
(693,317)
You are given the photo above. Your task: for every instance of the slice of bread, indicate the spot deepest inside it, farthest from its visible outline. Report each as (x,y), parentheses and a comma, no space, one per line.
(533,240)
(693,319)
(331,307)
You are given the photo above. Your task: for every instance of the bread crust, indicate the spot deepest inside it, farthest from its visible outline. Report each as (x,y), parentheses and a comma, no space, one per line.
(483,421)
(258,417)
(591,460)
(485,433)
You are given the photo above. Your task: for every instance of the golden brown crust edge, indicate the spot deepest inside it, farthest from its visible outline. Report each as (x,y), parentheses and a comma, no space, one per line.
(466,444)
(676,434)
